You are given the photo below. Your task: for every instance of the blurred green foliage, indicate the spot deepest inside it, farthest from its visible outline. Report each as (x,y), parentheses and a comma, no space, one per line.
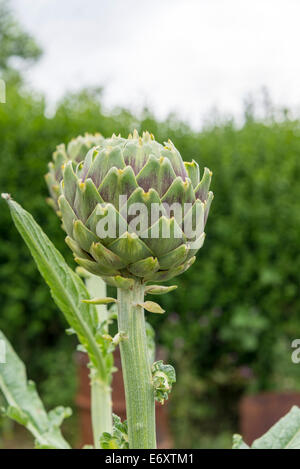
(231,321)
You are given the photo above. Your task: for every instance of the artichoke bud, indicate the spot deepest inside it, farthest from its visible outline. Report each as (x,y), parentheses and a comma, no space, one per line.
(163,377)
(132,208)
(75,152)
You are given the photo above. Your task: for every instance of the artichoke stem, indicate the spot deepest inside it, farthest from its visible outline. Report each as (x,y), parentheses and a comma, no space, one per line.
(139,391)
(101,410)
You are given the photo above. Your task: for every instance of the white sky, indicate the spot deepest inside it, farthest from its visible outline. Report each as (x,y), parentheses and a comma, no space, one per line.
(187,56)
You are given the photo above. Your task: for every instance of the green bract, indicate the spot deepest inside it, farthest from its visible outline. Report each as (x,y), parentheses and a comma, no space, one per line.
(122,174)
(74,151)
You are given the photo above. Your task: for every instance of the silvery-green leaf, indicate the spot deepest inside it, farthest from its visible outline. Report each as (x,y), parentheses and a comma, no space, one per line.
(25,405)
(285,434)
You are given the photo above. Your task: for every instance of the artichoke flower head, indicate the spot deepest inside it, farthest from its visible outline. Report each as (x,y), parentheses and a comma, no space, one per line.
(132,208)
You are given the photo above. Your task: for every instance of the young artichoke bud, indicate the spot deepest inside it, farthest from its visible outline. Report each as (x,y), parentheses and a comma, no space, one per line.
(133,209)
(75,151)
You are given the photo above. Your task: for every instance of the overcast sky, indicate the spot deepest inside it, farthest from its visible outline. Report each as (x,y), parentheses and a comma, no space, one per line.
(187,56)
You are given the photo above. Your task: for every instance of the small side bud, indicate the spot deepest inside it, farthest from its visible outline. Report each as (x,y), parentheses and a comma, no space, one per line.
(163,377)
(152,307)
(159,289)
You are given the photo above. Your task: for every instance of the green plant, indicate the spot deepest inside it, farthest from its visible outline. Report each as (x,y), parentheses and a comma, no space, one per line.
(25,406)
(23,402)
(119,437)
(147,175)
(231,349)
(68,291)
(137,255)
(101,398)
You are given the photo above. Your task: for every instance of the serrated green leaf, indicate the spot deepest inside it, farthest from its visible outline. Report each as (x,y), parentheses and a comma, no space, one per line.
(118,439)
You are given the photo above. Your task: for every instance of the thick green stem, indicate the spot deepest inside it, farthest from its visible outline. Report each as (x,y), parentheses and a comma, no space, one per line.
(101,410)
(101,402)
(140,404)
